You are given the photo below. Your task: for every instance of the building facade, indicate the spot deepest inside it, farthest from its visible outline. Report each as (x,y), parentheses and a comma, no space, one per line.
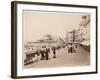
(84,31)
(73,37)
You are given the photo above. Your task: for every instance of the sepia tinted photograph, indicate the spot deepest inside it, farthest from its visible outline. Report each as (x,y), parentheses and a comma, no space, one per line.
(56,39)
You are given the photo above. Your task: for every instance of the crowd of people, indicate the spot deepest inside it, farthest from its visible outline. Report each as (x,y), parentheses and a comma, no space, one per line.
(44,52)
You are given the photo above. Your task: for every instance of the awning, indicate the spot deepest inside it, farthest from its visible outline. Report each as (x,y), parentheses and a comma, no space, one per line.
(87,42)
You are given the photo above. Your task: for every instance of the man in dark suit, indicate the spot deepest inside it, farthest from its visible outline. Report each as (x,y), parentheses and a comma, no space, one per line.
(42,53)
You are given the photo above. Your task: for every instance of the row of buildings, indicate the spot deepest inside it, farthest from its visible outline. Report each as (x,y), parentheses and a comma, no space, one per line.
(82,34)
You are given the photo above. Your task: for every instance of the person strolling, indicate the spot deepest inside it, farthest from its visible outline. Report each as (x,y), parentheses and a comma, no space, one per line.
(42,53)
(54,52)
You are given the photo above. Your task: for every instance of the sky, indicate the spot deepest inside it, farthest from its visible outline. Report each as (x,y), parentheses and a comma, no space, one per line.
(36,24)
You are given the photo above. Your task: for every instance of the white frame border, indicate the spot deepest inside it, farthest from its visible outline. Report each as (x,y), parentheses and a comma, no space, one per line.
(39,71)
